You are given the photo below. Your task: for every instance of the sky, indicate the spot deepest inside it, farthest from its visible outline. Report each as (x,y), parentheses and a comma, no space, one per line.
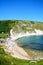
(21,10)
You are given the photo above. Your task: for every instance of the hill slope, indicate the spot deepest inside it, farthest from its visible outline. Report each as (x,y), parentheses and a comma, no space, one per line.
(6,59)
(18,26)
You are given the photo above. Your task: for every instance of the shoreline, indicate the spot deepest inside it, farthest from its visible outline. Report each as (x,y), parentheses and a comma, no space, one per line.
(14,49)
(27,34)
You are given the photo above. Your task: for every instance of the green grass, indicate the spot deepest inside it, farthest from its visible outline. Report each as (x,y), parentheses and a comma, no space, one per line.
(4,35)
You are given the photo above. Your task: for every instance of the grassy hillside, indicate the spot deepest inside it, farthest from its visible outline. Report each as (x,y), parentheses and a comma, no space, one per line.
(19,26)
(6,59)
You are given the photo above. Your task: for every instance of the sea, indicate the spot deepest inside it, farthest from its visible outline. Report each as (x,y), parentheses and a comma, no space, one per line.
(31,42)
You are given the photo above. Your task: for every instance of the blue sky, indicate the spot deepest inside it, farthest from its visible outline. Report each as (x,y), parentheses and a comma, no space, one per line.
(21,10)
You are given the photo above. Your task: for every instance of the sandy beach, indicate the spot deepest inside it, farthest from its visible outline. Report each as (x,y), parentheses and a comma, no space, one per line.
(16,51)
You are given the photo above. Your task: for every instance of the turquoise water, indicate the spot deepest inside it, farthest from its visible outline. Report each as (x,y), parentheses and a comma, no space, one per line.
(31,42)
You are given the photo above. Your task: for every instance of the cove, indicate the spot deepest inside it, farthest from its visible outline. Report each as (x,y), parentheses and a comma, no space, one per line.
(31,42)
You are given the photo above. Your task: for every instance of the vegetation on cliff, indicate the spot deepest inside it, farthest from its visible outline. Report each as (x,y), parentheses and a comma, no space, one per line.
(18,26)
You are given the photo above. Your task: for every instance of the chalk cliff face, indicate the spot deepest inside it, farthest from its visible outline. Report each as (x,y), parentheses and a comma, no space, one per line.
(20,28)
(26,26)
